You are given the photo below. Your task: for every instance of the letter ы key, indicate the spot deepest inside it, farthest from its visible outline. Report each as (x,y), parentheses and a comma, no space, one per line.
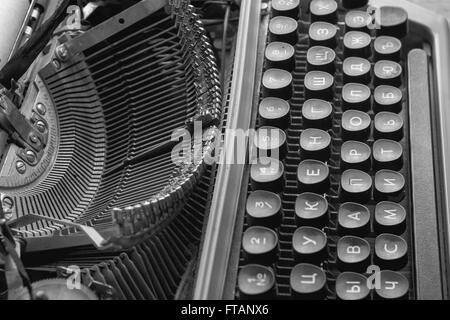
(388,125)
(387,154)
(319,84)
(387,48)
(280,55)
(355,155)
(277,83)
(355,125)
(389,185)
(356,96)
(275,112)
(309,245)
(388,73)
(391,252)
(353,219)
(313,176)
(267,174)
(357,21)
(288,8)
(387,98)
(393,22)
(323,34)
(390,217)
(308,282)
(356,70)
(356,186)
(394,285)
(324,10)
(317,113)
(311,209)
(283,29)
(263,209)
(352,286)
(322,59)
(315,144)
(357,44)
(353,254)
(260,245)
(271,142)
(256,282)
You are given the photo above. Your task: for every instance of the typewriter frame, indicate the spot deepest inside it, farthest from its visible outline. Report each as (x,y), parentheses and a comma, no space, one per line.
(218,261)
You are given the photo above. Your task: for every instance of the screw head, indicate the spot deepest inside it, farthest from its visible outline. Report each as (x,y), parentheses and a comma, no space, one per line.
(40,125)
(62,53)
(41,109)
(21,167)
(8,203)
(34,138)
(56,64)
(31,156)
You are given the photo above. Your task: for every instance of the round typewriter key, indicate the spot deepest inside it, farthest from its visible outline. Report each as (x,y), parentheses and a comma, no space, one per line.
(390,252)
(280,55)
(310,245)
(324,10)
(311,209)
(321,58)
(353,254)
(289,8)
(313,176)
(389,185)
(267,174)
(355,125)
(388,125)
(317,113)
(387,98)
(260,245)
(357,21)
(308,281)
(270,142)
(275,112)
(356,70)
(388,73)
(323,34)
(387,48)
(319,84)
(354,219)
(315,144)
(283,29)
(352,286)
(277,83)
(256,281)
(352,4)
(356,186)
(390,217)
(356,96)
(394,285)
(393,22)
(263,209)
(387,154)
(357,44)
(355,155)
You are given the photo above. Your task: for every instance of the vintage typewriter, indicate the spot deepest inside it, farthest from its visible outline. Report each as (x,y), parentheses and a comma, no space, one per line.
(175,149)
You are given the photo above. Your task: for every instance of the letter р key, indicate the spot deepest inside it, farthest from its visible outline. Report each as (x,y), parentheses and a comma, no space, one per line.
(355,155)
(256,282)
(308,282)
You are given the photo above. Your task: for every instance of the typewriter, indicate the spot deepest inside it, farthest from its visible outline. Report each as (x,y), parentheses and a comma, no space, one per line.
(208,150)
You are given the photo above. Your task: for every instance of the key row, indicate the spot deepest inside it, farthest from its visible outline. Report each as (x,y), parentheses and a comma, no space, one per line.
(308,281)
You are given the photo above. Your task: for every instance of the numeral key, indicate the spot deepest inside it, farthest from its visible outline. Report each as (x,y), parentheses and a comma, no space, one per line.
(277,83)
(256,282)
(283,29)
(352,286)
(275,112)
(390,251)
(280,55)
(309,245)
(311,209)
(260,245)
(270,142)
(308,282)
(313,176)
(267,174)
(353,254)
(264,209)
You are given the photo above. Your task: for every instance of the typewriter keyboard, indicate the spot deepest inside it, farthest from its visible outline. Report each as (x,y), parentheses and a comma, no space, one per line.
(328,207)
